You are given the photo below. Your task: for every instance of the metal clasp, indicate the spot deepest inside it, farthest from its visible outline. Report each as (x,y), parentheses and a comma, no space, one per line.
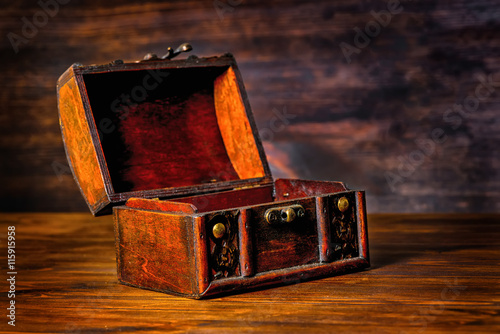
(171,53)
(285,214)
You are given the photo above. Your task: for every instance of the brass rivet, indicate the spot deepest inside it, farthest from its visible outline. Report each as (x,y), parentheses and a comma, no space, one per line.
(343,204)
(288,215)
(219,230)
(300,213)
(271,217)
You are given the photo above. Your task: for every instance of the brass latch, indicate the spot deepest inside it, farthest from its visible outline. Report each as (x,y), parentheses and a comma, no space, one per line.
(285,214)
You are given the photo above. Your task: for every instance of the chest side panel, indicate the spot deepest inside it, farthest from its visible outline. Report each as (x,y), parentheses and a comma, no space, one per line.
(154,250)
(79,147)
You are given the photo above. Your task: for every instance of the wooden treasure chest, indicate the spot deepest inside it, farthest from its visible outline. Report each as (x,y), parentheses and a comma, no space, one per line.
(170,147)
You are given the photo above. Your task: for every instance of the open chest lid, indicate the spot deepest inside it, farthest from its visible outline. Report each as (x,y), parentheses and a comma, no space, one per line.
(159,129)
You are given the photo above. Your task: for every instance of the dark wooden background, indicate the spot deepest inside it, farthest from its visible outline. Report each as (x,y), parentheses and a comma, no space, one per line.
(358,122)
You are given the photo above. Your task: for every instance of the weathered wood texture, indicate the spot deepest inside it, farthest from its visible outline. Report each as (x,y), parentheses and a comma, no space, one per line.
(320,117)
(430,273)
(163,246)
(191,130)
(155,250)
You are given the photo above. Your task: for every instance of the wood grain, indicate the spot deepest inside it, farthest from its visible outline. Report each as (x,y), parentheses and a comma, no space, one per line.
(430,273)
(150,244)
(78,140)
(347,122)
(171,141)
(164,245)
(235,129)
(287,245)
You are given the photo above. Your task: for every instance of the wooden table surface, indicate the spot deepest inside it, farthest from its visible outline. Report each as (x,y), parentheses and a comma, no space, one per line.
(430,273)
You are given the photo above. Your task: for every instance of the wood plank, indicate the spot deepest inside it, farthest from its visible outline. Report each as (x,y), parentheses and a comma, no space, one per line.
(433,273)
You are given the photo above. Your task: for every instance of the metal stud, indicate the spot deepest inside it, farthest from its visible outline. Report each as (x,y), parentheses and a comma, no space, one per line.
(343,204)
(219,230)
